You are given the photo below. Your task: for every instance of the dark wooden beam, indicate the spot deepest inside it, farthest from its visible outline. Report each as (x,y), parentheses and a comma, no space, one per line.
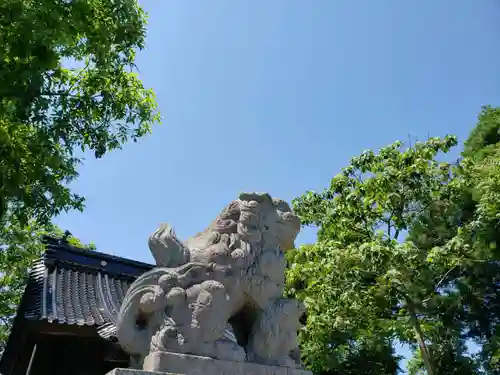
(46,328)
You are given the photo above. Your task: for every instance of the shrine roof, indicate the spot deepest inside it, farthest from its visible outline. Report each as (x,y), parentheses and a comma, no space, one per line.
(79,287)
(70,290)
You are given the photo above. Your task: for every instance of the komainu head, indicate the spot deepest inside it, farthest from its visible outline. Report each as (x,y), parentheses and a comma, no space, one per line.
(244,228)
(248,225)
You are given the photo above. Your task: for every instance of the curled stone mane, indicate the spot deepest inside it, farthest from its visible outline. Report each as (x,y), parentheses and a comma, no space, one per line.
(219,293)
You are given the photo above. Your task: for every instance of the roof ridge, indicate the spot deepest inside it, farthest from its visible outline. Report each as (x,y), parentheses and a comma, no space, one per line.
(59,252)
(60,246)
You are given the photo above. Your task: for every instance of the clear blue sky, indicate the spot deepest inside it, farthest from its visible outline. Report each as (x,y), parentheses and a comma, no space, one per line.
(277,96)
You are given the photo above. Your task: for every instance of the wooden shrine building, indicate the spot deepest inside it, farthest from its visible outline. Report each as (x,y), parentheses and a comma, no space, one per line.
(65,323)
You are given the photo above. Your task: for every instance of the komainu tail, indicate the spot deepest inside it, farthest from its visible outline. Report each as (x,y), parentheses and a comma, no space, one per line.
(166,248)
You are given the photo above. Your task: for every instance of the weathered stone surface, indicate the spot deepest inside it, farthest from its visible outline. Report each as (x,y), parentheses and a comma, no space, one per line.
(218,295)
(196,365)
(128,371)
(182,364)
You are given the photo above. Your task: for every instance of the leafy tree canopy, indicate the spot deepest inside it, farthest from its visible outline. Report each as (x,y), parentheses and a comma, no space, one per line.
(470,217)
(485,137)
(68,84)
(366,281)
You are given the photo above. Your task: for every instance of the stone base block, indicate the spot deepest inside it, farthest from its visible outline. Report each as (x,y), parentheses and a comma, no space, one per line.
(183,364)
(129,371)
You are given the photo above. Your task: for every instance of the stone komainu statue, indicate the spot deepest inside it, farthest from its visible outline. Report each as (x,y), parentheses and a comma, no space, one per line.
(219,294)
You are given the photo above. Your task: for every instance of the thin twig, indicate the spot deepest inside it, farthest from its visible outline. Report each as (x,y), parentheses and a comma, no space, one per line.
(442,280)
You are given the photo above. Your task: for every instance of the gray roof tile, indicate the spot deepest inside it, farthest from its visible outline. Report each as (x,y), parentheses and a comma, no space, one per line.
(73,286)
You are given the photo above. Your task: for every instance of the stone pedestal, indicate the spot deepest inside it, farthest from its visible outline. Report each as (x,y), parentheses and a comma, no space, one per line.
(182,364)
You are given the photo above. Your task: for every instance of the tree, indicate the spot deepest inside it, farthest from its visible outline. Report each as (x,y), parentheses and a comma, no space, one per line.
(485,137)
(67,84)
(20,247)
(449,357)
(364,280)
(344,333)
(471,217)
(481,279)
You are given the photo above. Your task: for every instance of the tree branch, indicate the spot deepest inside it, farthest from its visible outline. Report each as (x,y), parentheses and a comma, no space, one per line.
(442,280)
